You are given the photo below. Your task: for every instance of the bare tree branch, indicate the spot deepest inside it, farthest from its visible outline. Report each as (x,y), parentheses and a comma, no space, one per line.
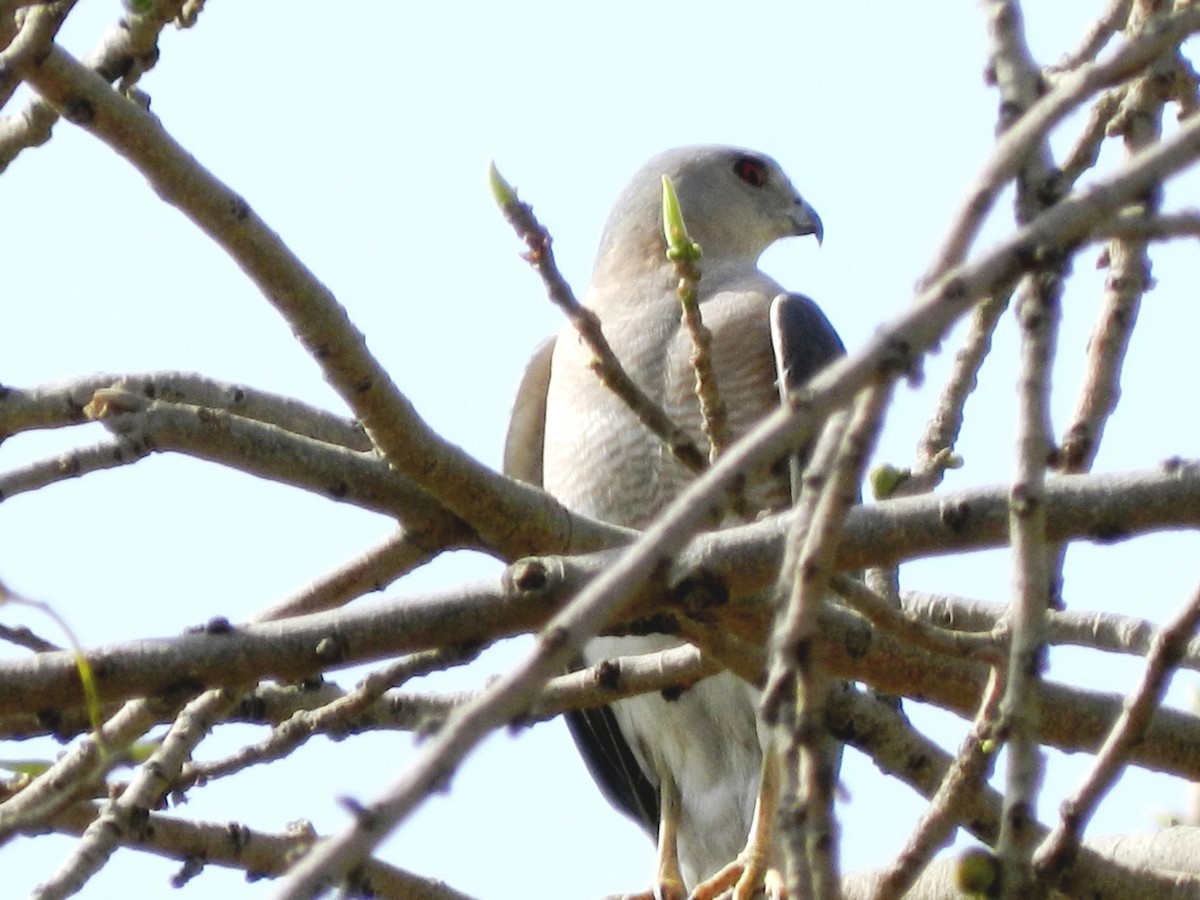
(963,780)
(120,815)
(129,49)
(1096,630)
(500,510)
(373,570)
(268,451)
(80,768)
(62,404)
(1013,146)
(258,854)
(798,670)
(71,464)
(1100,32)
(1061,845)
(1139,121)
(710,589)
(883,733)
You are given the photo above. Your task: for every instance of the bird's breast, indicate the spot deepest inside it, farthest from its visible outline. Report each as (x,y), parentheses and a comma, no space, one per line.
(599,459)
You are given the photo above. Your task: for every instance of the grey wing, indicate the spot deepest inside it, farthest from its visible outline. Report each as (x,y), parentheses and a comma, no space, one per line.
(804,343)
(524,442)
(604,749)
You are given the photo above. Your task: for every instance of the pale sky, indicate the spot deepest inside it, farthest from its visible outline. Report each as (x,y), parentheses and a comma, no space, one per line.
(361,133)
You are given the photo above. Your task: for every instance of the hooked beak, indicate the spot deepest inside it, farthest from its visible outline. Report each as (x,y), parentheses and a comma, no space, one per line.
(806,220)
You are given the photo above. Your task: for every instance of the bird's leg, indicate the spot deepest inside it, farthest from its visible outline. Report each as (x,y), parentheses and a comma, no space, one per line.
(762,835)
(668,879)
(750,873)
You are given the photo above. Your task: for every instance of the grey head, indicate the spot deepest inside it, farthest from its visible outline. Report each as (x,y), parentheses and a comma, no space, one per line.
(735,203)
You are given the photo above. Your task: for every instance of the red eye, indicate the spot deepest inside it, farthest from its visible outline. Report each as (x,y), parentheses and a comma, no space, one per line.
(750,170)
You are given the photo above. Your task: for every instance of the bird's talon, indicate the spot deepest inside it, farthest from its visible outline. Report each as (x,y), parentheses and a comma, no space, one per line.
(774,885)
(719,884)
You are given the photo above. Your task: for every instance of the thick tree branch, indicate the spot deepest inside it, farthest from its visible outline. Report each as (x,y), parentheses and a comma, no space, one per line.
(63,403)
(503,512)
(1092,507)
(268,451)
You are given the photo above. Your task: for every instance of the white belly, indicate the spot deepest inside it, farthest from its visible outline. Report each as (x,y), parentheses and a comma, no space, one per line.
(708,737)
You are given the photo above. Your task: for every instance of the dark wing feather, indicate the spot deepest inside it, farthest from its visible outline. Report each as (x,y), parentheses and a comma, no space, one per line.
(804,343)
(613,766)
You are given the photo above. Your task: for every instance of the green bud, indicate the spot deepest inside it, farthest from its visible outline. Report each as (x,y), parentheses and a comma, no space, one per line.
(502,192)
(679,245)
(976,872)
(885,479)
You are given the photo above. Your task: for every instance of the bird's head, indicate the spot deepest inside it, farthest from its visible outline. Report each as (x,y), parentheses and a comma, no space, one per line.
(735,203)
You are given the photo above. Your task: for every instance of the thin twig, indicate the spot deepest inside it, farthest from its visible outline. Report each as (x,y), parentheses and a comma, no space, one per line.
(1038,313)
(1104,631)
(62,404)
(119,816)
(332,718)
(79,768)
(948,807)
(75,463)
(372,570)
(234,845)
(983,646)
(1099,33)
(1020,83)
(935,449)
(1059,849)
(1086,150)
(797,657)
(778,706)
(361,479)
(1139,121)
(684,253)
(129,49)
(884,734)
(23,637)
(1013,147)
(604,363)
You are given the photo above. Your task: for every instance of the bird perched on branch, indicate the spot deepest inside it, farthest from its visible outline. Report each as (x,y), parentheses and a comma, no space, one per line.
(686,768)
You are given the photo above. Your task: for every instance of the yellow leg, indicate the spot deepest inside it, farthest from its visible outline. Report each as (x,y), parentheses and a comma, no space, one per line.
(749,874)
(668,879)
(755,872)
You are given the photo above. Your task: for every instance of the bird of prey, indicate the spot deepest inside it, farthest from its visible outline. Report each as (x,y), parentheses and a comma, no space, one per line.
(686,768)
